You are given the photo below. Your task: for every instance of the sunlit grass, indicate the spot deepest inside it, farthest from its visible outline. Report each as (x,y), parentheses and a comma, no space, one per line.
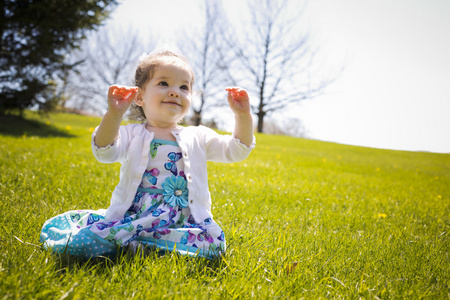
(302,219)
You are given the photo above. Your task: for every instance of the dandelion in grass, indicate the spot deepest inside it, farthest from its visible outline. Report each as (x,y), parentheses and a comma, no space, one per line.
(382,215)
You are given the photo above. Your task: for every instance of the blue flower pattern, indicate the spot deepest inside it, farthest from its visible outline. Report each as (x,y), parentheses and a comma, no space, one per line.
(161,217)
(175,191)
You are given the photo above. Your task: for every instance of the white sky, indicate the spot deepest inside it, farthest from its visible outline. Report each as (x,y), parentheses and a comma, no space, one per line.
(394,91)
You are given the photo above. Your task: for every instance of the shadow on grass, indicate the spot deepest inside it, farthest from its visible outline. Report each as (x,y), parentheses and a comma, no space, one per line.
(17,126)
(126,257)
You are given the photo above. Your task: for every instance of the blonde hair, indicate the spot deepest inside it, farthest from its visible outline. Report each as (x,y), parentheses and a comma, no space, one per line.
(145,70)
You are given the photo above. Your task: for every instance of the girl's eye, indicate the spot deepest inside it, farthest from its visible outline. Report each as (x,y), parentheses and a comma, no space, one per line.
(163,83)
(185,87)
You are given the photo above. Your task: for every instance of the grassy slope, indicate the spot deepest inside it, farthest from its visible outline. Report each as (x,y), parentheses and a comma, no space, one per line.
(302,219)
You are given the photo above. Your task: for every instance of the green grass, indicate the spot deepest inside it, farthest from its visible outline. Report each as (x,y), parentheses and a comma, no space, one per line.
(303,219)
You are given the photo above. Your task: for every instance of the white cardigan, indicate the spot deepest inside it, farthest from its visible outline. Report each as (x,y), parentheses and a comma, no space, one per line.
(198,145)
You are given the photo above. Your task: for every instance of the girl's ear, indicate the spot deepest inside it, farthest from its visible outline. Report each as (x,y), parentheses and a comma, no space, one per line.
(139,98)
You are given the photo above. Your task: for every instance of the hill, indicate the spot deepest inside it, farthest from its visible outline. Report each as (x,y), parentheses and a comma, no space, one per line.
(302,218)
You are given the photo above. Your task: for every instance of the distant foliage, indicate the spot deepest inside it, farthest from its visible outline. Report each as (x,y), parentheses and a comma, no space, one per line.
(276,57)
(108,56)
(210,60)
(35,36)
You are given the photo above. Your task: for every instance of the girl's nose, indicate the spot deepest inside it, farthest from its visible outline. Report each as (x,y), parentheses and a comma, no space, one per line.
(174,94)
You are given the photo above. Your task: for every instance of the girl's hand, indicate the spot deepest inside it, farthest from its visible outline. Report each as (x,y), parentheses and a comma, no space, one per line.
(120,98)
(240,105)
(238,100)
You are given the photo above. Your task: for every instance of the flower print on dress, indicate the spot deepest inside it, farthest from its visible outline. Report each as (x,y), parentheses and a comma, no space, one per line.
(172,215)
(115,230)
(181,220)
(221,237)
(154,148)
(104,225)
(160,232)
(127,220)
(190,223)
(157,223)
(171,165)
(139,229)
(133,210)
(149,177)
(157,212)
(93,218)
(137,197)
(175,191)
(188,237)
(204,235)
(76,216)
(159,228)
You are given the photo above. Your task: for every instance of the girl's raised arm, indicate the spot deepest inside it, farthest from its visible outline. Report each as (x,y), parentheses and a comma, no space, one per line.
(119,99)
(239,102)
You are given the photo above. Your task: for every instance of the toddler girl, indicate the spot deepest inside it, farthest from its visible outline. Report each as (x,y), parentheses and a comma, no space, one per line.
(162,200)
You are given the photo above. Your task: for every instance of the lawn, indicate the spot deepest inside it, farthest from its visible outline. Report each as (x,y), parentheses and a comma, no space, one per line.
(302,218)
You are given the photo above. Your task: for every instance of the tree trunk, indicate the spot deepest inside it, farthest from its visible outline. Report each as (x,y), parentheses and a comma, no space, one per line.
(261,116)
(197,118)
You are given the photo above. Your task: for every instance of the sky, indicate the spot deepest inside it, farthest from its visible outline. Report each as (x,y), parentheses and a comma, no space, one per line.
(394,88)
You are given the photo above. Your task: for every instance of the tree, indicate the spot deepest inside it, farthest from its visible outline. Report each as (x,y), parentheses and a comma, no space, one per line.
(35,36)
(109,56)
(276,56)
(209,60)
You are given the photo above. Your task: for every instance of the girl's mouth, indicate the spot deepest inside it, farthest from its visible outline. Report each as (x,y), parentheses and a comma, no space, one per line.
(172,103)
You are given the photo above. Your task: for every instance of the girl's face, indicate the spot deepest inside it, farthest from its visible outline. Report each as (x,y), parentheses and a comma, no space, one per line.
(166,97)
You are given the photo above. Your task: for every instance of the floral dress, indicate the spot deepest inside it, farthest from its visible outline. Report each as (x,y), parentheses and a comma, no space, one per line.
(159,217)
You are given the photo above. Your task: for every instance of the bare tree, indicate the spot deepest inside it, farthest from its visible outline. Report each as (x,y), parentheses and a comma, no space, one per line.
(210,62)
(276,55)
(108,57)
